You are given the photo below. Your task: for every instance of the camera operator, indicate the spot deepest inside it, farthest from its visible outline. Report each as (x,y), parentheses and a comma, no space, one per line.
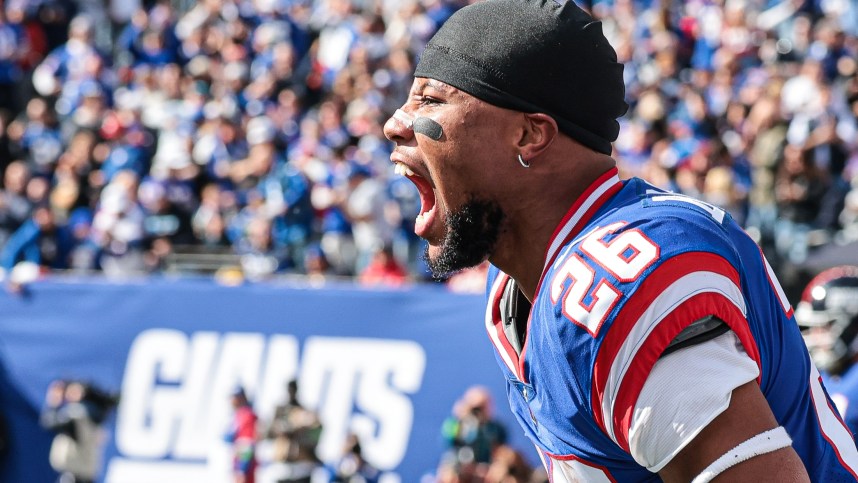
(75,411)
(472,435)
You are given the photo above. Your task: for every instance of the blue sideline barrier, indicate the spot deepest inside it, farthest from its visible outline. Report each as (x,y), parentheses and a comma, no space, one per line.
(385,364)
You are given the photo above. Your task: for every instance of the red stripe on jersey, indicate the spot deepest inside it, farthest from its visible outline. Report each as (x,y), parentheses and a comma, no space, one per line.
(655,283)
(692,309)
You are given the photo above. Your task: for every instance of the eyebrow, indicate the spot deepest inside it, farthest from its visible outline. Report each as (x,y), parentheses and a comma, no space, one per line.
(435,84)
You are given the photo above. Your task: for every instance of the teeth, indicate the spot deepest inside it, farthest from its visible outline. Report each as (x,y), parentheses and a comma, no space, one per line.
(402,169)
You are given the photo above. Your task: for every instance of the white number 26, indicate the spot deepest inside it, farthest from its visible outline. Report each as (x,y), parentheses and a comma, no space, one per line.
(625,256)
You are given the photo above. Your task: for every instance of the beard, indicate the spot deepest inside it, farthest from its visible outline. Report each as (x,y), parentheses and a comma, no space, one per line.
(472,232)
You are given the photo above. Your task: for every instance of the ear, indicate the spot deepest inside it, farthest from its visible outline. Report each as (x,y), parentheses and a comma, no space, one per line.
(539,132)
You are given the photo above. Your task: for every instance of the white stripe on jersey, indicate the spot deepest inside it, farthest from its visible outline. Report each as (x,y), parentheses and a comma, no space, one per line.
(679,291)
(773,280)
(832,428)
(490,323)
(574,219)
(574,471)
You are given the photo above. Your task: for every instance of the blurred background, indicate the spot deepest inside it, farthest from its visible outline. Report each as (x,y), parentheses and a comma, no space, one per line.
(216,154)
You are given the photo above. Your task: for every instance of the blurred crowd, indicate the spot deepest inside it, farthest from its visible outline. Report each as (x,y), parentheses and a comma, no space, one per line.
(134,133)
(252,128)
(283,449)
(749,105)
(291,436)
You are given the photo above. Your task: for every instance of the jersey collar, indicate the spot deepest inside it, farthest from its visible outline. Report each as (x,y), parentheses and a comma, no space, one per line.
(570,226)
(596,195)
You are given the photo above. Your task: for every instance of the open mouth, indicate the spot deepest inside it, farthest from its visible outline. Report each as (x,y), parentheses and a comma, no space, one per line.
(427,199)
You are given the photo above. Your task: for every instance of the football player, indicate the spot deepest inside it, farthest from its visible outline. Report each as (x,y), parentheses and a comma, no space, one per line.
(642,334)
(828,316)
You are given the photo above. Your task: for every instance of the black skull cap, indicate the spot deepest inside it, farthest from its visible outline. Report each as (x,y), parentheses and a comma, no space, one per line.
(545,56)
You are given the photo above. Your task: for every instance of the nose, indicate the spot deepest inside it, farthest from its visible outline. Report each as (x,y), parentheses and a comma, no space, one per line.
(399,127)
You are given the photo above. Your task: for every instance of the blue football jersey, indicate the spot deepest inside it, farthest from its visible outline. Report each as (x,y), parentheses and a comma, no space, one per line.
(629,267)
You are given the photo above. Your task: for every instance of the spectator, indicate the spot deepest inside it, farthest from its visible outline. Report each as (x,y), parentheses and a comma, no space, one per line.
(765,134)
(220,142)
(352,467)
(83,257)
(165,223)
(117,227)
(209,219)
(287,200)
(295,431)
(316,265)
(508,466)
(15,208)
(364,208)
(259,256)
(799,188)
(328,198)
(39,241)
(384,269)
(242,436)
(12,52)
(66,67)
(400,212)
(36,137)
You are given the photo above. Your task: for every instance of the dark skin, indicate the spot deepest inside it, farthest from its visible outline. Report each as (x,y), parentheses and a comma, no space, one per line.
(475,159)
(749,414)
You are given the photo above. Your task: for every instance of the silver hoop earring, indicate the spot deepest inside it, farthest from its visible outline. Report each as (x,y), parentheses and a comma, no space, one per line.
(522,161)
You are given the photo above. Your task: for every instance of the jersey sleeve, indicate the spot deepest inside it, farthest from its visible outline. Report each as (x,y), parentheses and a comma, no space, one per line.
(701,378)
(694,276)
